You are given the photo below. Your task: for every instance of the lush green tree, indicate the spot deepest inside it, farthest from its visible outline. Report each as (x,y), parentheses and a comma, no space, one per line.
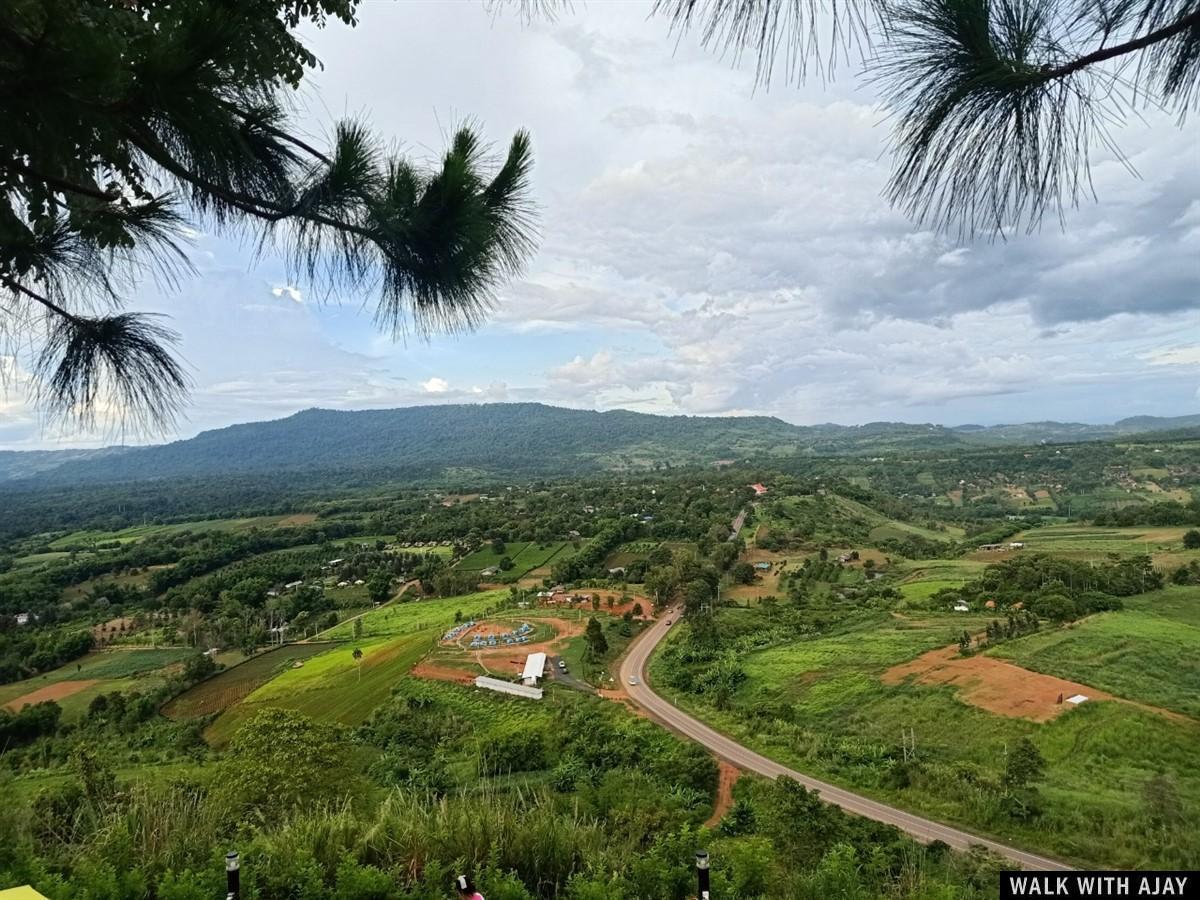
(125,122)
(742,573)
(1024,764)
(597,643)
(281,760)
(379,586)
(1191,539)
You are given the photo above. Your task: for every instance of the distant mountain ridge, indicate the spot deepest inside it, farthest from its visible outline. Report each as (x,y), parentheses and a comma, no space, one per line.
(517,438)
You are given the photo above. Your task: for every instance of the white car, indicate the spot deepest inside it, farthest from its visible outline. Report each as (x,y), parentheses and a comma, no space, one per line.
(633,679)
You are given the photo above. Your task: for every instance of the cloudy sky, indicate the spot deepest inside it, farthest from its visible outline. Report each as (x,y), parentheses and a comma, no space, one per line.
(707,248)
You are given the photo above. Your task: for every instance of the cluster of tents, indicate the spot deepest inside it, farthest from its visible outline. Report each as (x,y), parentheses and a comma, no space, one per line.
(520,635)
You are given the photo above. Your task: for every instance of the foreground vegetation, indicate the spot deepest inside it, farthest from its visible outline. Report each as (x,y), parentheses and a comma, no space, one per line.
(280,681)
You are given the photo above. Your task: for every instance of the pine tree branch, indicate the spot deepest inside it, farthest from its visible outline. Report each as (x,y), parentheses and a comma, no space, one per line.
(258,207)
(17,288)
(1106,53)
(60,184)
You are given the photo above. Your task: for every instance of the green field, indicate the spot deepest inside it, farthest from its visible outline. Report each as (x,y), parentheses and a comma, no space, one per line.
(237,682)
(332,686)
(525,556)
(1146,652)
(1088,542)
(112,670)
(405,618)
(139,532)
(819,705)
(921,579)
(883,527)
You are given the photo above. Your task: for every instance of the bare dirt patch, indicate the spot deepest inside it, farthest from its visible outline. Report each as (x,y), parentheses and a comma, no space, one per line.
(995,685)
(298,519)
(442,673)
(727,777)
(56,691)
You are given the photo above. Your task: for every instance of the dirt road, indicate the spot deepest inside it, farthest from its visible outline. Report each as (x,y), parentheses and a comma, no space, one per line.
(658,709)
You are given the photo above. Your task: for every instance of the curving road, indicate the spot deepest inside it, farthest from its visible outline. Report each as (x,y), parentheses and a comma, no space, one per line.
(658,709)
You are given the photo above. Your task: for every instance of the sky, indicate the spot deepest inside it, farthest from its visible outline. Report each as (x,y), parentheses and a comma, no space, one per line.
(707,247)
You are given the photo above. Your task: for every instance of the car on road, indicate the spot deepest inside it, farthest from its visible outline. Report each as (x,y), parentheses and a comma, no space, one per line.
(633,679)
(668,623)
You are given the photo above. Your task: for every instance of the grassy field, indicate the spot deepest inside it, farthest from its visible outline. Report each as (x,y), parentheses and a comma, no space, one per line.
(332,686)
(139,532)
(110,670)
(819,705)
(885,527)
(525,557)
(921,579)
(226,688)
(405,618)
(1089,542)
(1146,652)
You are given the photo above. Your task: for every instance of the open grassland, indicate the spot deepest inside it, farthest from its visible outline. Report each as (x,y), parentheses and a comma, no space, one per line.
(416,615)
(1148,652)
(226,688)
(921,579)
(885,527)
(332,686)
(96,673)
(525,556)
(140,532)
(1090,542)
(820,706)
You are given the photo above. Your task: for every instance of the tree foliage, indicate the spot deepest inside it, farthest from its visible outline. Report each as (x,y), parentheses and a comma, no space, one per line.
(997,105)
(127,122)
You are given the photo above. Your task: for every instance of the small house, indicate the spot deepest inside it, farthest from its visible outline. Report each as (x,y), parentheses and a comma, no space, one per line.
(961,606)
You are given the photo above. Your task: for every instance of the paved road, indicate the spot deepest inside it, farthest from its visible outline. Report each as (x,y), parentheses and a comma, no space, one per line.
(566,677)
(737,524)
(664,713)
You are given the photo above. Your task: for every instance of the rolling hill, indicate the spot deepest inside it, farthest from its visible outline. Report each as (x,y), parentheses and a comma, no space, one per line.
(513,439)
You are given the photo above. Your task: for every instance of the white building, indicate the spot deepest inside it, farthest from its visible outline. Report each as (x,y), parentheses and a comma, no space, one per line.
(507,687)
(535,669)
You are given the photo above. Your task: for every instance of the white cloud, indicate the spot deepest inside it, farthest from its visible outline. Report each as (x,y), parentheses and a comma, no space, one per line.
(1174,356)
(285,290)
(436,385)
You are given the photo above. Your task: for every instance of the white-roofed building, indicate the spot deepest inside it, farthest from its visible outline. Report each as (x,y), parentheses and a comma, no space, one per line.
(535,669)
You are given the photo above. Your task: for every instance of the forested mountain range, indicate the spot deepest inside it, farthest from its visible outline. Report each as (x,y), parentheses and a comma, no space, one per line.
(516,438)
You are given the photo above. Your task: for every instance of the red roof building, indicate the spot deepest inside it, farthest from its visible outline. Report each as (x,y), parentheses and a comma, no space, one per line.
(759,489)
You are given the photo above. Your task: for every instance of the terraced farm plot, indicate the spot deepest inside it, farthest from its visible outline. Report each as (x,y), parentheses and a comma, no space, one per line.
(226,688)
(139,532)
(525,556)
(332,686)
(404,618)
(1089,542)
(97,673)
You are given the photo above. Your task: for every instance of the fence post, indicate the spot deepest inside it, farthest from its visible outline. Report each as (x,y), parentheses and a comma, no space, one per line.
(702,891)
(233,876)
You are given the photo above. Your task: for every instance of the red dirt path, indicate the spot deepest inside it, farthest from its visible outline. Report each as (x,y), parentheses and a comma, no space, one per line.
(727,778)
